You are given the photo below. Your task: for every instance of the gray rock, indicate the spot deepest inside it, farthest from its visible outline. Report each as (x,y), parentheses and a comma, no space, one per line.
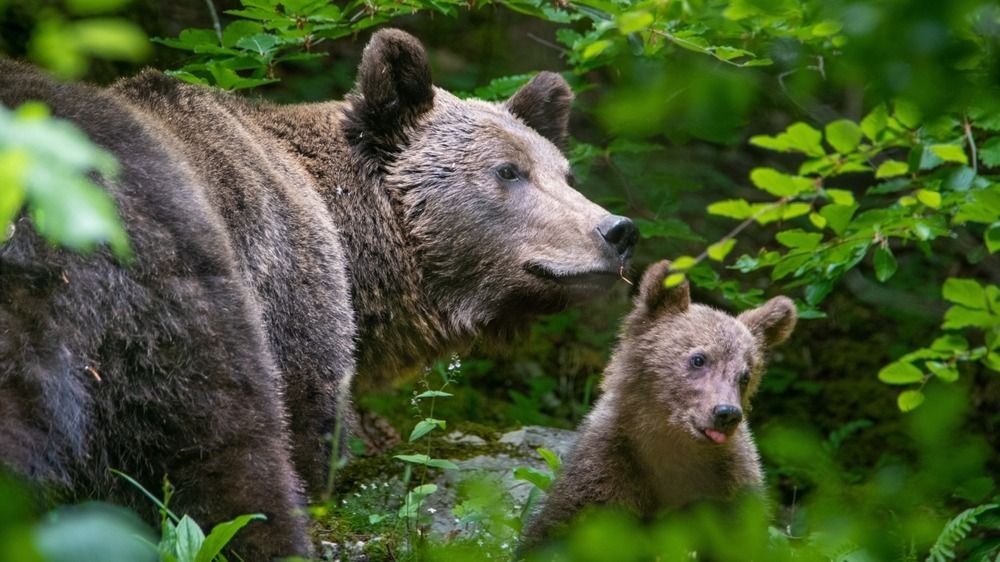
(494,466)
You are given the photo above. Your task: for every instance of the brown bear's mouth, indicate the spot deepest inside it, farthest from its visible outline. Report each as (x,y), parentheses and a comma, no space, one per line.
(567,276)
(587,281)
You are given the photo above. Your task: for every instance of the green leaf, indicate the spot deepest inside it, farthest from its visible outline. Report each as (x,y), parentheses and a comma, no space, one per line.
(189,540)
(551,459)
(427,461)
(732,208)
(944,371)
(992,237)
(952,343)
(13,165)
(805,139)
(826,28)
(840,196)
(875,122)
(930,198)
(91,7)
(838,216)
(891,169)
(960,317)
(720,250)
(989,152)
(909,400)
(949,153)
(424,427)
(907,113)
(818,220)
(111,38)
(261,43)
(792,210)
(900,373)
(632,22)
(843,135)
(595,48)
(539,479)
(966,292)
(433,394)
(673,280)
(799,239)
(992,361)
(799,137)
(779,184)
(885,263)
(221,535)
(682,262)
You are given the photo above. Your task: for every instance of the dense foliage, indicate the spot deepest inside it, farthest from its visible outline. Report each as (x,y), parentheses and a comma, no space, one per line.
(843,153)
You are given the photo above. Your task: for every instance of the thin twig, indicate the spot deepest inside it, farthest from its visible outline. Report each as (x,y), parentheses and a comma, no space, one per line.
(740,228)
(694,47)
(215,20)
(545,43)
(972,143)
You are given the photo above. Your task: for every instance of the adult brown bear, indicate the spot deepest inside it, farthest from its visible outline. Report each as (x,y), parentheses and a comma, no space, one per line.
(279,250)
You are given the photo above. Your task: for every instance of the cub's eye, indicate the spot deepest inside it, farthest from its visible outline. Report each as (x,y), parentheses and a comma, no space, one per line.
(507,173)
(697,360)
(745,378)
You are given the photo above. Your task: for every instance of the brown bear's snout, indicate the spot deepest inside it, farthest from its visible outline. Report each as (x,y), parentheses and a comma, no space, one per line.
(620,233)
(726,417)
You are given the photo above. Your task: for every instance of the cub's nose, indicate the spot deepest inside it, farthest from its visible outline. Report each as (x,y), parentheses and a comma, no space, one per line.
(726,417)
(620,233)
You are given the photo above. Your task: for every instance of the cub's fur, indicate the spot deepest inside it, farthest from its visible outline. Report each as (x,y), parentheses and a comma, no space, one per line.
(668,429)
(279,249)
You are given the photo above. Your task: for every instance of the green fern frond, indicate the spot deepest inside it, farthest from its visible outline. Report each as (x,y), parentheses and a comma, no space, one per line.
(954,532)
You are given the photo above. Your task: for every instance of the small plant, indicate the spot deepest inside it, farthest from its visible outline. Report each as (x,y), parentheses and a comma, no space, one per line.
(540,480)
(181,538)
(410,510)
(956,530)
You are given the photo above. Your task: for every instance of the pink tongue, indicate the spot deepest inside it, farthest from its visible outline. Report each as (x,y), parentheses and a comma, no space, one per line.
(716,436)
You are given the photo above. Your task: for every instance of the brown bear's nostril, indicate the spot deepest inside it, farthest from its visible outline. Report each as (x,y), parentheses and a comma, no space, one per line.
(726,417)
(620,233)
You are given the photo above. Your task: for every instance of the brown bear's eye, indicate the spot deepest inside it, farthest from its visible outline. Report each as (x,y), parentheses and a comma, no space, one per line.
(745,378)
(507,173)
(697,360)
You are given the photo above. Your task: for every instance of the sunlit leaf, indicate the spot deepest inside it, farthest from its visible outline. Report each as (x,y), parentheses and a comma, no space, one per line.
(891,168)
(843,135)
(950,153)
(720,250)
(909,400)
(900,373)
(966,292)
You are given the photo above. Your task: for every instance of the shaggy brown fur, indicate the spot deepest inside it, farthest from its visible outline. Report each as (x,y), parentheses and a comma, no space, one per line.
(654,440)
(279,249)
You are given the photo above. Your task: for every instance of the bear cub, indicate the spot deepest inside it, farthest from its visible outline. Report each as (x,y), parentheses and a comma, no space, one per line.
(670,427)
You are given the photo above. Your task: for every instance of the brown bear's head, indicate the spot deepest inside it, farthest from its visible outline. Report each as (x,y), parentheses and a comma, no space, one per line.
(482,190)
(690,367)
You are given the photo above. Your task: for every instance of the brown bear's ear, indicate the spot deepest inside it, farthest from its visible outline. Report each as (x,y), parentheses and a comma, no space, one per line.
(772,322)
(394,83)
(655,298)
(543,104)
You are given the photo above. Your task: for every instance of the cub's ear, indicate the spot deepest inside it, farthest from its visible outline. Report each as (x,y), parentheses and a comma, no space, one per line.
(543,104)
(394,80)
(772,322)
(654,298)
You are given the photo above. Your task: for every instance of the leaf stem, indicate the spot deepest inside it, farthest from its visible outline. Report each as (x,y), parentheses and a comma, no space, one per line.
(215,20)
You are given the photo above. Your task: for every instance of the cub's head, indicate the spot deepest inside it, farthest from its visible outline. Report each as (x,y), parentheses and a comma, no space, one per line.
(696,365)
(482,190)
